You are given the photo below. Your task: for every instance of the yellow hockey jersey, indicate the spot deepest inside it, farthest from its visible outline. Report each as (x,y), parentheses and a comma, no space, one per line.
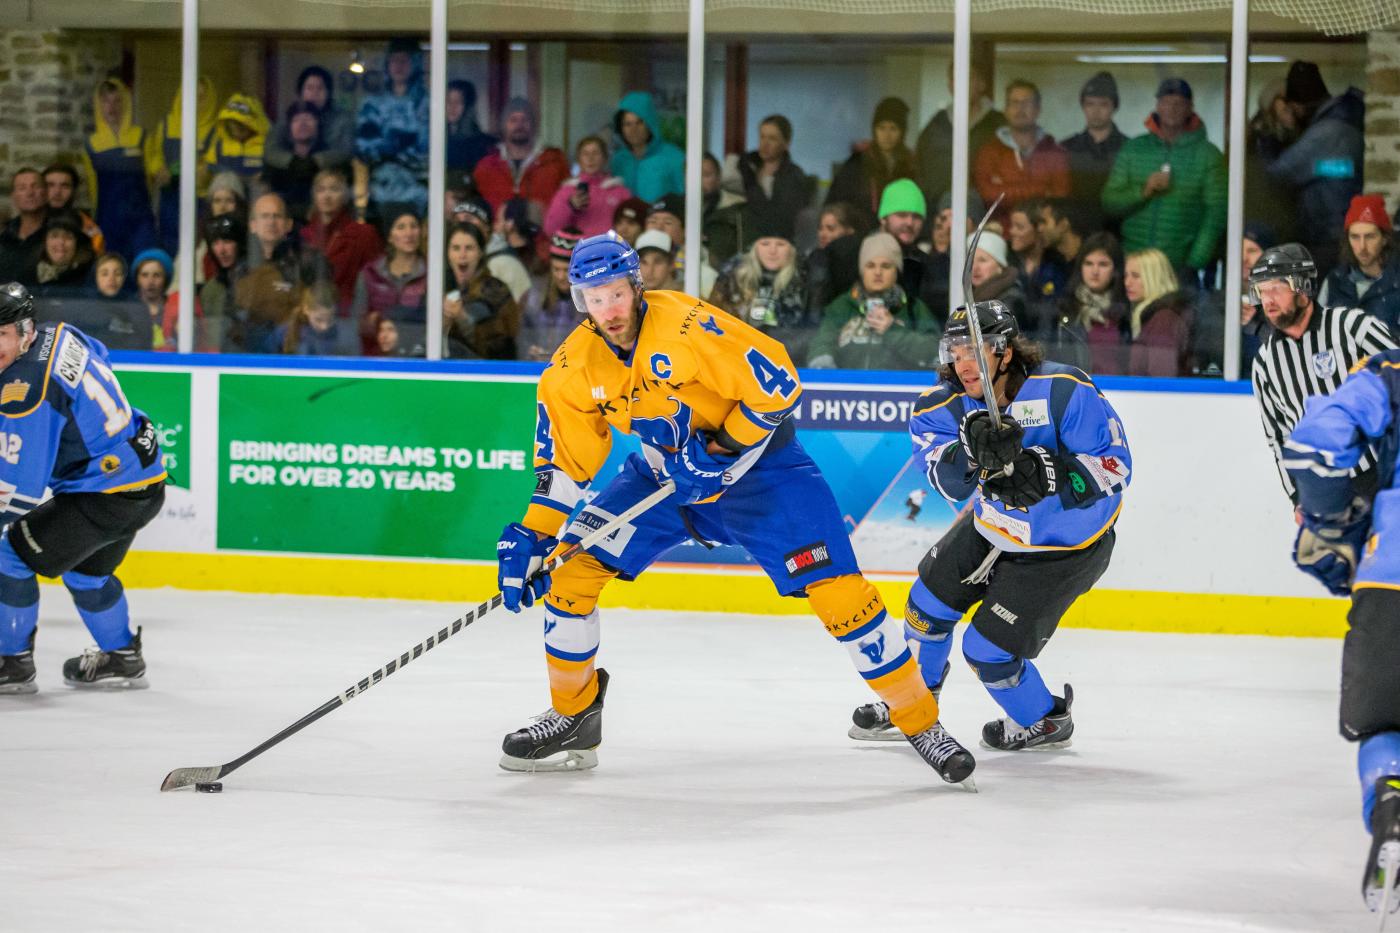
(694,368)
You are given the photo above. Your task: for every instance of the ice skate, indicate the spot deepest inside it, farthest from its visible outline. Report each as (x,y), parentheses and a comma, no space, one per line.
(945,755)
(872,721)
(1383,864)
(1053,731)
(17,671)
(96,669)
(551,733)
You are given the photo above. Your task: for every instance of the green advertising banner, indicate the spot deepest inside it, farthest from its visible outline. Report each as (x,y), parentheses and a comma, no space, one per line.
(165,398)
(372,466)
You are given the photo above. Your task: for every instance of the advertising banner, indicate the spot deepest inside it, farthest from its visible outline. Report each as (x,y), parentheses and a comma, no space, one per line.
(165,398)
(365,465)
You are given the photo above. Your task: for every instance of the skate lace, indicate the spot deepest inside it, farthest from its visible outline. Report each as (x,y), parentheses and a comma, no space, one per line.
(548,724)
(879,710)
(936,745)
(91,660)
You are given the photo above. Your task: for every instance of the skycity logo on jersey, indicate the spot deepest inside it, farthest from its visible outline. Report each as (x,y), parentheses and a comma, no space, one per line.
(805,560)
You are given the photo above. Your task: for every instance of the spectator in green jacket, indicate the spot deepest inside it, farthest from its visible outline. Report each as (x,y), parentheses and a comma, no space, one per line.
(876,325)
(1168,185)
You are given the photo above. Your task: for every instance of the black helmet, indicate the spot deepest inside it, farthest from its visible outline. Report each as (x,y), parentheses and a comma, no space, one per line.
(16,304)
(1290,261)
(997,323)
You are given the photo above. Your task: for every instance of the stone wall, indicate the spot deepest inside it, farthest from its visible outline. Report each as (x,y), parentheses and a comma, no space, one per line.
(46,83)
(1383,114)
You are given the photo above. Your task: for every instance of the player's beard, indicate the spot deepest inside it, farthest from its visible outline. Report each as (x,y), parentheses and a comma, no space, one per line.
(634,327)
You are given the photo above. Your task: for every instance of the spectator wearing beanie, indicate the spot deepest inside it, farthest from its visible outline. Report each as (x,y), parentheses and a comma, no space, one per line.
(467,142)
(1179,210)
(933,154)
(876,325)
(902,213)
(1368,276)
(500,260)
(860,181)
(774,187)
(1324,165)
(1092,151)
(588,201)
(552,316)
(668,216)
(1022,161)
(648,165)
(994,277)
(65,260)
(630,219)
(763,286)
(227,239)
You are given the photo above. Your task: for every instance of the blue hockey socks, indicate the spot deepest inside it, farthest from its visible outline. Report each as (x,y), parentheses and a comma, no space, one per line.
(928,627)
(1013,682)
(1376,757)
(101,602)
(19,600)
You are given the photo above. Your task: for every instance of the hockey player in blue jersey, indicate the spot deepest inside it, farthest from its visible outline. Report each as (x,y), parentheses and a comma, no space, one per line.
(1046,489)
(1348,540)
(65,426)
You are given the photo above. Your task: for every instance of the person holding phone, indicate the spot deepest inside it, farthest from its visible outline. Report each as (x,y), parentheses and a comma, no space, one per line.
(588,200)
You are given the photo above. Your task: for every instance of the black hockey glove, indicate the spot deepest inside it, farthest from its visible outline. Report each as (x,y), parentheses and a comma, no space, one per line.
(988,446)
(1329,547)
(1037,474)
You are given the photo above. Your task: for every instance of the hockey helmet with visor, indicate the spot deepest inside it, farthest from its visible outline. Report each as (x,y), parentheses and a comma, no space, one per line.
(997,323)
(1290,263)
(598,260)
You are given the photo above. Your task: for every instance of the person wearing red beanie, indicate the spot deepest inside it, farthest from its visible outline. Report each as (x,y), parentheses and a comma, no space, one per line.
(1368,275)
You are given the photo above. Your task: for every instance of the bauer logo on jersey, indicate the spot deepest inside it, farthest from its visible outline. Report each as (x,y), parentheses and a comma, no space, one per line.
(14,391)
(71,360)
(1324,364)
(805,560)
(1032,414)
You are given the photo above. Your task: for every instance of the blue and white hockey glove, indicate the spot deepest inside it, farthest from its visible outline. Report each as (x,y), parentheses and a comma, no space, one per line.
(1329,547)
(697,473)
(519,553)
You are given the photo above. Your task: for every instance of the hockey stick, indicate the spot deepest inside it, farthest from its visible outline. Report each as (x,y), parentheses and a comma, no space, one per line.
(185,777)
(974,326)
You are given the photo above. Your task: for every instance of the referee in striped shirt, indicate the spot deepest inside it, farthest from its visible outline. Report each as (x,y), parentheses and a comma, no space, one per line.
(1309,351)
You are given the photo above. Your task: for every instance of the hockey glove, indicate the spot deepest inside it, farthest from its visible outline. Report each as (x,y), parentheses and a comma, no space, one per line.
(990,447)
(697,473)
(519,554)
(1037,473)
(1329,547)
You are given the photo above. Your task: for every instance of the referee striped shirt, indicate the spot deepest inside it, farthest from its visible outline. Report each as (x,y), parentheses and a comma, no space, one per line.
(1287,372)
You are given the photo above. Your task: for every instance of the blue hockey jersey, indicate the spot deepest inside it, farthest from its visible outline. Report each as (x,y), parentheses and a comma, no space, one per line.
(1060,409)
(1333,434)
(67,426)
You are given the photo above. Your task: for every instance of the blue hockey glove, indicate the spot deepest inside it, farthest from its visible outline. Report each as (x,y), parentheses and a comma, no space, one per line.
(989,447)
(1329,547)
(518,555)
(697,473)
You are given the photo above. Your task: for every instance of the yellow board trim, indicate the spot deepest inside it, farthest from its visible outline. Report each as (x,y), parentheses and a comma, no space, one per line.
(751,593)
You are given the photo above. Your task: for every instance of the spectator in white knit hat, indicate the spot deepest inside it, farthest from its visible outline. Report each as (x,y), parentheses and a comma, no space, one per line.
(993,277)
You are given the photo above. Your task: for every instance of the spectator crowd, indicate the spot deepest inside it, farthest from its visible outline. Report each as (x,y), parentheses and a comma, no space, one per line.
(1107,246)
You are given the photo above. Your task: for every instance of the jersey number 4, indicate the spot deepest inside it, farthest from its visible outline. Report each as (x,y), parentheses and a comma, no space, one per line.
(772,378)
(116,412)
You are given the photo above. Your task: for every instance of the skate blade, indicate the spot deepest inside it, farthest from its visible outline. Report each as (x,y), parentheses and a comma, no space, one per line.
(24,689)
(889,734)
(109,683)
(1381,898)
(968,784)
(1047,747)
(578,760)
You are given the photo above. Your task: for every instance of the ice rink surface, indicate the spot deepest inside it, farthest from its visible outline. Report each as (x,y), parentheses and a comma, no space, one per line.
(1207,788)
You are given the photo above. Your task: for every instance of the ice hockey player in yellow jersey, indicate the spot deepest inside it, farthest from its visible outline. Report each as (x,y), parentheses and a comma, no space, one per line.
(709,397)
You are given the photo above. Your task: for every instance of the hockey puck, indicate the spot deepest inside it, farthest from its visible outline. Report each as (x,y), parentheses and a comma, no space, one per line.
(213,787)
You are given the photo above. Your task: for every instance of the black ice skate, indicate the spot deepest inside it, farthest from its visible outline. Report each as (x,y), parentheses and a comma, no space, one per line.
(1383,864)
(1007,735)
(552,733)
(123,668)
(872,721)
(945,755)
(17,671)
